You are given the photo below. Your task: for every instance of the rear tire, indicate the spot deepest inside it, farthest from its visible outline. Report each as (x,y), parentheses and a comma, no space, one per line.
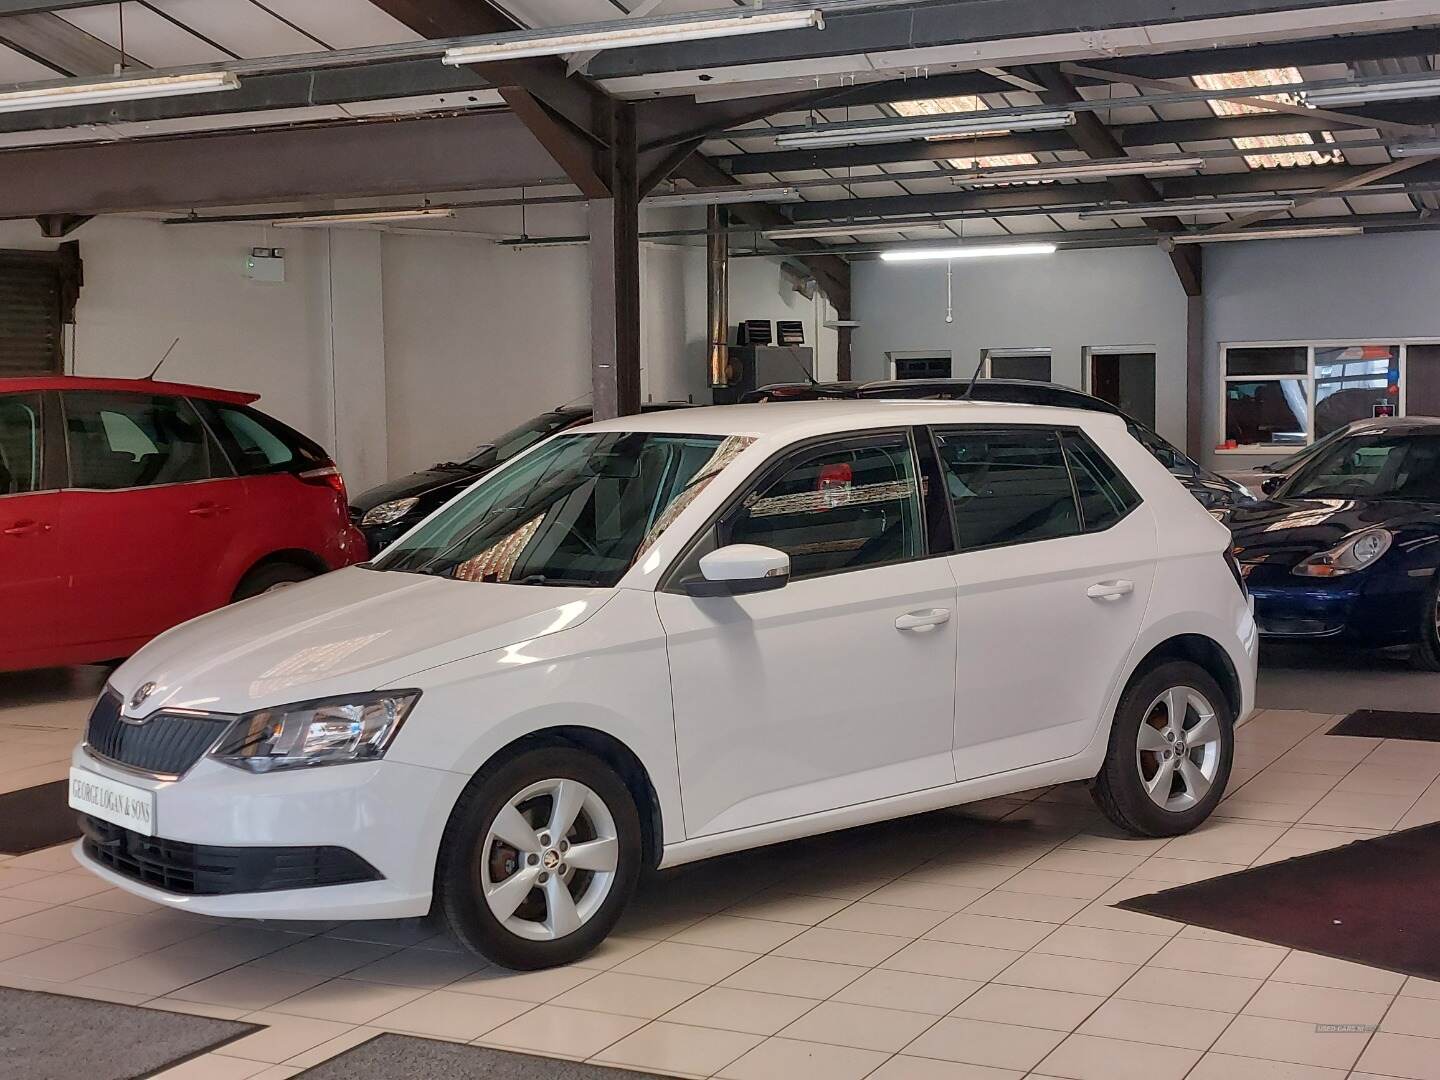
(521,823)
(1170,752)
(1427,654)
(271,576)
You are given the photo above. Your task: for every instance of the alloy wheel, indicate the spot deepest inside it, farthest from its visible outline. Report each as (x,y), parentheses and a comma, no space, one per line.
(1178,749)
(549,859)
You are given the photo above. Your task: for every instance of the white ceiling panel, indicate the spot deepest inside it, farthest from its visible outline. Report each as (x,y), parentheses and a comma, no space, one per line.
(244,28)
(1382,204)
(342,24)
(149,37)
(17,67)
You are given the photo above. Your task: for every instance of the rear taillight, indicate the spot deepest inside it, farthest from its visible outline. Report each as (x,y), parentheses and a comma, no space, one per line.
(1235,571)
(326,476)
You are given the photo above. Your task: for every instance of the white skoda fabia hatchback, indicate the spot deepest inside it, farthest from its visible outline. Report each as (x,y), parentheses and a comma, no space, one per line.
(656,639)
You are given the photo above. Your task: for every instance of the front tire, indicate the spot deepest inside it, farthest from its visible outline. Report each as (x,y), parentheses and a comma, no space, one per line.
(539,858)
(1170,752)
(269,577)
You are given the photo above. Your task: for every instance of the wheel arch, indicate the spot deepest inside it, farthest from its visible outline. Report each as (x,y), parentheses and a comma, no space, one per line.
(1206,653)
(616,755)
(283,557)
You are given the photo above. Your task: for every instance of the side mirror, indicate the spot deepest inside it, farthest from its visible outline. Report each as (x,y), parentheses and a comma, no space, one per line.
(741,568)
(1270,484)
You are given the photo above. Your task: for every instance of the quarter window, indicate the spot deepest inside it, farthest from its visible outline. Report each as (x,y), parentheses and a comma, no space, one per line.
(1008,487)
(837,507)
(19,444)
(133,440)
(1105,495)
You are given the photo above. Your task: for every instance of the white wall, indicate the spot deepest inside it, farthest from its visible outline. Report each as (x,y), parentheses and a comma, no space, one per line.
(393,350)
(1064,302)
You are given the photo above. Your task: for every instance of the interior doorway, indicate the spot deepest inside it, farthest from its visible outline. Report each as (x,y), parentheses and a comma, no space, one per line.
(1126,379)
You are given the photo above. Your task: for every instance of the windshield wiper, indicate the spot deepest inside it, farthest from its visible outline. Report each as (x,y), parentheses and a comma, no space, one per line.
(543,579)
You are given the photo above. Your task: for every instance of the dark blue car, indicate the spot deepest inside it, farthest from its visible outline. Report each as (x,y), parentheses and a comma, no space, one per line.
(1346,548)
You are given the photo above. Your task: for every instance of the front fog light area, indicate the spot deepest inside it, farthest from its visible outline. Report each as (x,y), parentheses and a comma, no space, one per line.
(333,731)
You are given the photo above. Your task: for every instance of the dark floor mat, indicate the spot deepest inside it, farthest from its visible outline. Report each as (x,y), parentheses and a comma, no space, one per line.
(401,1057)
(1375,902)
(36,817)
(50,1037)
(1382,724)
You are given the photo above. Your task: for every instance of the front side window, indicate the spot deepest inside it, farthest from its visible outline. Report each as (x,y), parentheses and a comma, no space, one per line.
(1008,486)
(1372,467)
(837,507)
(19,443)
(579,511)
(121,440)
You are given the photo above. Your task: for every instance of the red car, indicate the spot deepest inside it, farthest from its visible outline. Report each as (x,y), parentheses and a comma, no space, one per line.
(128,506)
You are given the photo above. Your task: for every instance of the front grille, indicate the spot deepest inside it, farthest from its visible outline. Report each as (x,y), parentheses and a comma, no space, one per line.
(206,870)
(166,743)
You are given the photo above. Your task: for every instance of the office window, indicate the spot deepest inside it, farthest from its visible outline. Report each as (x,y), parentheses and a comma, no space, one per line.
(1295,395)
(1032,365)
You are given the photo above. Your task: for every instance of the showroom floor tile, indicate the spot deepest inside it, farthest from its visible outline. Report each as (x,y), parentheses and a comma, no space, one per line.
(944,949)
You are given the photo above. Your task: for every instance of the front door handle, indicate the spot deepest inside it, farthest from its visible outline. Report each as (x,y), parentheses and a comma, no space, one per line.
(207,510)
(1110,590)
(919,622)
(28,528)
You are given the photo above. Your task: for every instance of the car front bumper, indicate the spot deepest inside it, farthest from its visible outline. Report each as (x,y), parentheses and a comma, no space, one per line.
(1363,609)
(389,814)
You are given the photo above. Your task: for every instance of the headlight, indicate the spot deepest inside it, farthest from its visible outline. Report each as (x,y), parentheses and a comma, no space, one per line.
(1352,554)
(388,512)
(329,732)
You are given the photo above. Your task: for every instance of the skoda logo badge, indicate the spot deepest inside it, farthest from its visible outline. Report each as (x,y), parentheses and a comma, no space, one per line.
(138,698)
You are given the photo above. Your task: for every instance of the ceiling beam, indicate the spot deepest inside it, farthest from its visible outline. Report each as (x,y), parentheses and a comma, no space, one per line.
(46,37)
(1146,134)
(339,161)
(923,24)
(1096,141)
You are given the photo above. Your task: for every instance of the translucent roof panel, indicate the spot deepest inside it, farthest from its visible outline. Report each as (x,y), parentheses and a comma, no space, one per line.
(961,104)
(1275,150)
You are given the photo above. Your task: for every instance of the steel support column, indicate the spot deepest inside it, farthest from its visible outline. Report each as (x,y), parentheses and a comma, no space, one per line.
(1195,381)
(615,272)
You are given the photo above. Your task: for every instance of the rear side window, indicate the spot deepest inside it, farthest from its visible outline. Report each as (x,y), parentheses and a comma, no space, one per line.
(258,444)
(1007,486)
(19,443)
(1105,495)
(120,440)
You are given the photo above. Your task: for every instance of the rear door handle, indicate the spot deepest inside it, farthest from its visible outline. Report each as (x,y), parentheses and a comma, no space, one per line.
(1110,590)
(207,510)
(920,622)
(28,528)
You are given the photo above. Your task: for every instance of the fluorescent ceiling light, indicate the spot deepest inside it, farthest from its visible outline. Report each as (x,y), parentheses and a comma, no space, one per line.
(800,232)
(1187,209)
(1267,234)
(933,127)
(128,89)
(1363,91)
(971,251)
(1415,148)
(1068,171)
(526,43)
(361,217)
(726,196)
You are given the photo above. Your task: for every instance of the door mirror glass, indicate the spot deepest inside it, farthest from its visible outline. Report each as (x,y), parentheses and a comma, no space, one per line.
(1271,483)
(741,568)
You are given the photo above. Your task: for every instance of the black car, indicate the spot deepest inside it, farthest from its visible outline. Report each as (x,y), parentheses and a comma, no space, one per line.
(1214,492)
(1346,548)
(383,513)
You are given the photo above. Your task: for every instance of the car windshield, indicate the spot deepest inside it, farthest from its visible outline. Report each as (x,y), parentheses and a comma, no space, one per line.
(1372,467)
(579,511)
(1293,462)
(489,455)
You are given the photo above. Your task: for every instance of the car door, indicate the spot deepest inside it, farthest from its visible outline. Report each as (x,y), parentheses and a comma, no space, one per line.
(1053,572)
(148,505)
(838,688)
(32,564)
